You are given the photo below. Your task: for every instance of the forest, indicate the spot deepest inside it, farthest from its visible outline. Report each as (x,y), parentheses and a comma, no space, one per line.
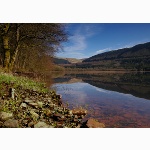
(30,46)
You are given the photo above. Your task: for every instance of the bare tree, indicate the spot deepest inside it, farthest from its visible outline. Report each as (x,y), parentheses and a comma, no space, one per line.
(19,41)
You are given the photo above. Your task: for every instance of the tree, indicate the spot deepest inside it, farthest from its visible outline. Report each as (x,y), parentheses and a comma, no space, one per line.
(19,41)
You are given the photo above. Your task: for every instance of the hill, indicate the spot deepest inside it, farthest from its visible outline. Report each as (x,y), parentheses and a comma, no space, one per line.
(141,50)
(58,60)
(134,58)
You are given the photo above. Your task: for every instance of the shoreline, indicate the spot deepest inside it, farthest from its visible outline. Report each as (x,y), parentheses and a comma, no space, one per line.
(22,106)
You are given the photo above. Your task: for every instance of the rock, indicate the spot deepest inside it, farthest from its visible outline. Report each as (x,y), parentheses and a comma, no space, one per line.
(70,112)
(40,104)
(48,113)
(41,125)
(28,101)
(35,105)
(30,124)
(23,96)
(5,116)
(1,124)
(11,123)
(59,124)
(75,120)
(59,116)
(79,111)
(25,122)
(92,123)
(49,99)
(76,117)
(79,125)
(59,96)
(34,115)
(23,105)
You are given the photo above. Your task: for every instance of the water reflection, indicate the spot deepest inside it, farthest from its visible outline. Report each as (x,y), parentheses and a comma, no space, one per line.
(117,100)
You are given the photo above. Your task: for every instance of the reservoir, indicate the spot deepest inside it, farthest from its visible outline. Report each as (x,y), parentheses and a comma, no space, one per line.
(117,100)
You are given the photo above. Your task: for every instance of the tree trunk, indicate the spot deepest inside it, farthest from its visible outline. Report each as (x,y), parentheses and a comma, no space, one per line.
(14,55)
(6,47)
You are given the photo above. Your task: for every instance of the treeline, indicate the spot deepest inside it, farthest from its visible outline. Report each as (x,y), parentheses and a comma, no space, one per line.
(30,46)
(136,58)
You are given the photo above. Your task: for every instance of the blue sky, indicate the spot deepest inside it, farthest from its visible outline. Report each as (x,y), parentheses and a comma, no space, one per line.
(88,39)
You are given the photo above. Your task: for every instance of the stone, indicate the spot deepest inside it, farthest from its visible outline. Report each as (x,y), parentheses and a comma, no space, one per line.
(60,125)
(59,116)
(23,105)
(1,124)
(70,112)
(35,105)
(5,116)
(11,123)
(79,111)
(49,99)
(41,125)
(34,115)
(76,117)
(30,124)
(75,120)
(48,113)
(23,96)
(40,104)
(79,125)
(28,101)
(25,122)
(59,96)
(92,123)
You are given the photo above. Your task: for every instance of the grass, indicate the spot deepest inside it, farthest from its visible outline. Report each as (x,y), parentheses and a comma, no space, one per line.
(24,82)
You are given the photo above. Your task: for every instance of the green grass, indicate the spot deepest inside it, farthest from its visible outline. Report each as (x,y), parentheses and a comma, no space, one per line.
(24,82)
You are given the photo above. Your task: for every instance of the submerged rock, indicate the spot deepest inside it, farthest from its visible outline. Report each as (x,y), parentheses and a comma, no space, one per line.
(92,123)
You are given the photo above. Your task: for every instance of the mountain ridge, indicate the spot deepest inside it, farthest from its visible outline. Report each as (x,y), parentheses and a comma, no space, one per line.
(133,58)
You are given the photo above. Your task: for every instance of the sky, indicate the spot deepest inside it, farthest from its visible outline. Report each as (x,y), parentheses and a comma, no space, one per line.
(88,39)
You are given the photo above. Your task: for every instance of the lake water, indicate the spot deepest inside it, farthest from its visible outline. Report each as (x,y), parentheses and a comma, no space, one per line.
(117,100)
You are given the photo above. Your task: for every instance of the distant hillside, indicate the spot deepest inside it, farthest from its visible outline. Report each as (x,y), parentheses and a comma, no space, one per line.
(57,60)
(138,51)
(134,58)
(60,61)
(74,60)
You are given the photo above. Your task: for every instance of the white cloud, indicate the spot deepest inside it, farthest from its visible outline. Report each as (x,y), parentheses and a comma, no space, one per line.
(77,43)
(102,50)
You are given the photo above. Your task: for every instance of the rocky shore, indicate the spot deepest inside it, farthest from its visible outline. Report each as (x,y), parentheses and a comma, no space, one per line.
(31,108)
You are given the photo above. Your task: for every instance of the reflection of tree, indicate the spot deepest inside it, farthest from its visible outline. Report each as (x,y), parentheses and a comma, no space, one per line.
(135,84)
